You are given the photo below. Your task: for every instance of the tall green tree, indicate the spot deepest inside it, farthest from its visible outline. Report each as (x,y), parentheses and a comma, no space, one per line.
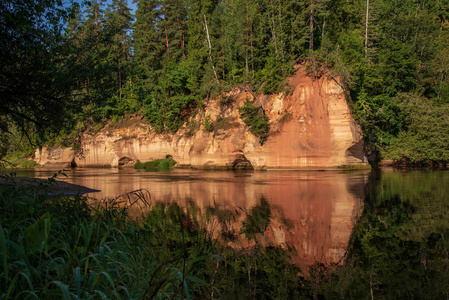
(34,81)
(118,25)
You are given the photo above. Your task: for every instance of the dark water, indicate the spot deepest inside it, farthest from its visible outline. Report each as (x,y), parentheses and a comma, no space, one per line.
(388,232)
(399,248)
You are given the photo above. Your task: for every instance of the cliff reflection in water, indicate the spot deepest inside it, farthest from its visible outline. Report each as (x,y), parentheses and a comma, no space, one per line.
(312,212)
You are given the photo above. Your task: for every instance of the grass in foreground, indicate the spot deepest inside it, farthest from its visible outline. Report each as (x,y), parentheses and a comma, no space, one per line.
(80,248)
(66,248)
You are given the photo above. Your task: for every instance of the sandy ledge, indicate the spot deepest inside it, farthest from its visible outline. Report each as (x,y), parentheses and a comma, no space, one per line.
(44,186)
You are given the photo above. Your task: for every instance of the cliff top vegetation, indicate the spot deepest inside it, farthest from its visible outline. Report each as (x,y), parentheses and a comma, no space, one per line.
(63,66)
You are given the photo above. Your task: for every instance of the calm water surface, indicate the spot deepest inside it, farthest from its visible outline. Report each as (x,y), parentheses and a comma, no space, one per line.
(390,227)
(314,212)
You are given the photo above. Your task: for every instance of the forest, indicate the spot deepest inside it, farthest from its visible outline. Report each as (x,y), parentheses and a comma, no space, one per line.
(71,65)
(66,66)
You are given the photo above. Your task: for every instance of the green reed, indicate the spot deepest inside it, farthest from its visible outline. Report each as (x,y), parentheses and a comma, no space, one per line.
(62,247)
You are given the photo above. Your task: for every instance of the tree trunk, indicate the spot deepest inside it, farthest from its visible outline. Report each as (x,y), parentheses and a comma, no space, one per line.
(183,39)
(96,22)
(366,31)
(280,26)
(273,30)
(166,34)
(246,42)
(252,50)
(210,48)
(119,79)
(312,23)
(324,27)
(223,56)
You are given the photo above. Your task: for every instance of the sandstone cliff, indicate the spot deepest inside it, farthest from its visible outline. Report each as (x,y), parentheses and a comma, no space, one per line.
(311,127)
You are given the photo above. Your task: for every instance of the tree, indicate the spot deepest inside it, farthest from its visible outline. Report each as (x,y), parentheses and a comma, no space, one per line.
(118,23)
(34,82)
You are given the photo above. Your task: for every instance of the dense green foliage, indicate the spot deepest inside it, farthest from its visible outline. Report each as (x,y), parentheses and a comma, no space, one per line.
(158,164)
(63,248)
(34,85)
(257,220)
(425,133)
(399,247)
(255,118)
(95,60)
(397,53)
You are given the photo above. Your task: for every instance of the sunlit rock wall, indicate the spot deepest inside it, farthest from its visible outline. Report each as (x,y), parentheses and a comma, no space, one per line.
(311,127)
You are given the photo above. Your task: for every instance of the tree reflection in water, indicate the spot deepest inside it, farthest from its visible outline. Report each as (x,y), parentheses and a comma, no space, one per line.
(398,249)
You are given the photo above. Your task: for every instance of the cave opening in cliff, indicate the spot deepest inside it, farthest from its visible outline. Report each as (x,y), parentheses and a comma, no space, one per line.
(73,164)
(241,163)
(125,161)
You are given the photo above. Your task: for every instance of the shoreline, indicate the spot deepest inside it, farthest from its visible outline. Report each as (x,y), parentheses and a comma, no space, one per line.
(46,186)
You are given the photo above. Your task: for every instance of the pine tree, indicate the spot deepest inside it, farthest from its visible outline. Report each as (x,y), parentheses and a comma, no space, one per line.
(118,24)
(148,50)
(95,66)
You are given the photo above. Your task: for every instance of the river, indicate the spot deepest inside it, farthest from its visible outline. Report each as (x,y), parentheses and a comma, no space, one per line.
(319,214)
(314,212)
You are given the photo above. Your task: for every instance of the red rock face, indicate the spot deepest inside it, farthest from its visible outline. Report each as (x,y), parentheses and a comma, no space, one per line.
(319,131)
(310,128)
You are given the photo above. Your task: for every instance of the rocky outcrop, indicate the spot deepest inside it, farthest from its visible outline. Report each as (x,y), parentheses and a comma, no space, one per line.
(311,127)
(55,156)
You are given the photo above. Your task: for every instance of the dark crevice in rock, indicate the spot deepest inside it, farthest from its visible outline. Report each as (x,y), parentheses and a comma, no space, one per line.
(73,164)
(241,163)
(356,151)
(125,161)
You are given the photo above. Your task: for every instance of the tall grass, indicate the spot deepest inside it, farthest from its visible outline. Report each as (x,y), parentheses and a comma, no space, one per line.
(66,248)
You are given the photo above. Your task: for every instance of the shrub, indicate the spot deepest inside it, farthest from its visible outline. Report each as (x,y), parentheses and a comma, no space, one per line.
(63,248)
(425,138)
(11,161)
(257,220)
(191,128)
(226,123)
(28,164)
(168,114)
(208,126)
(257,121)
(158,164)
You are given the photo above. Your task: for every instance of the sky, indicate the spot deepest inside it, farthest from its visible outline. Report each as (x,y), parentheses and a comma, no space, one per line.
(131,5)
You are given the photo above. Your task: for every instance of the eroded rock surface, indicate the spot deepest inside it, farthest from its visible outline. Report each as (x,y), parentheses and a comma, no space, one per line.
(310,128)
